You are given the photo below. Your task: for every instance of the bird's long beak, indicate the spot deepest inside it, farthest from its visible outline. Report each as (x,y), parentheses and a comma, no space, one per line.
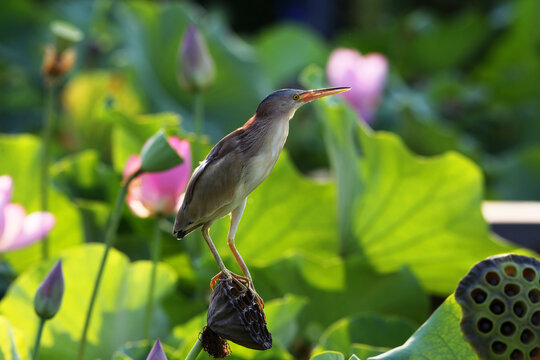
(311,95)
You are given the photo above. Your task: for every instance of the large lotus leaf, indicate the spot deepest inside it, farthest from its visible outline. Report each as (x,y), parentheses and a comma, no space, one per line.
(118,312)
(439,338)
(13,344)
(421,212)
(21,160)
(359,289)
(371,329)
(279,313)
(275,46)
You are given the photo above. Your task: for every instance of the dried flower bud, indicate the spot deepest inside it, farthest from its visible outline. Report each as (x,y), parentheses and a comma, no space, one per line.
(196,68)
(500,300)
(49,294)
(57,65)
(157,352)
(235,315)
(60,58)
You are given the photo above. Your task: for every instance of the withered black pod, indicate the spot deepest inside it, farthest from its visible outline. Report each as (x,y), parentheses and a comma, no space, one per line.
(235,315)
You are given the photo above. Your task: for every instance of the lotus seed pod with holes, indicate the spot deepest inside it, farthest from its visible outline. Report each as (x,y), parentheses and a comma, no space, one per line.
(500,300)
(235,315)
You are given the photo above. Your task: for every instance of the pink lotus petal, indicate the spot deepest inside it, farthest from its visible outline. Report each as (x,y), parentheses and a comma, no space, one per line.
(133,164)
(14,215)
(36,226)
(158,193)
(137,207)
(366,75)
(6,188)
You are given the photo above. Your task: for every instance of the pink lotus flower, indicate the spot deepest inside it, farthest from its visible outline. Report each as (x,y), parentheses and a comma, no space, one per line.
(158,193)
(366,75)
(16,228)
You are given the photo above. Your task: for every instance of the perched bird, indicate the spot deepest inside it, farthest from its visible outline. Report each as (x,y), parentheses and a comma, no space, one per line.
(238,164)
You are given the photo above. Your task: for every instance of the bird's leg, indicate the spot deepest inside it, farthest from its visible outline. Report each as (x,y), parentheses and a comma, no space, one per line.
(224,270)
(236,215)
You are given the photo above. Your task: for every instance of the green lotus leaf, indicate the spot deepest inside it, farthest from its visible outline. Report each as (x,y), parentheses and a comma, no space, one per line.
(371,329)
(424,213)
(439,338)
(118,312)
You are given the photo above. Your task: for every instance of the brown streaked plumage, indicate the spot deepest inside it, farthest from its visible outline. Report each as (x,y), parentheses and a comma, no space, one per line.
(236,166)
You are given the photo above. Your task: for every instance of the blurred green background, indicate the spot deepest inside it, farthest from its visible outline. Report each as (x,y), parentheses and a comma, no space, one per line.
(463,74)
(355,277)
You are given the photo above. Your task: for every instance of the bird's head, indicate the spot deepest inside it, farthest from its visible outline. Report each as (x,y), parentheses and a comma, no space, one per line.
(284,102)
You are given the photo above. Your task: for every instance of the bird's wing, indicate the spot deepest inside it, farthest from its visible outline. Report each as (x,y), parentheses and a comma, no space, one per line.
(212,185)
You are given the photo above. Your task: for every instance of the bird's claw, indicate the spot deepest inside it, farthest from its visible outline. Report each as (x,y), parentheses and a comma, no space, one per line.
(240,280)
(244,282)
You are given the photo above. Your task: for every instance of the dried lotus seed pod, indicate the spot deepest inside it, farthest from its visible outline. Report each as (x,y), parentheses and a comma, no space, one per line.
(235,315)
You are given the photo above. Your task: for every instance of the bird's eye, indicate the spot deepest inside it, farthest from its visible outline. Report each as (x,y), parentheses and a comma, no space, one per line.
(296,97)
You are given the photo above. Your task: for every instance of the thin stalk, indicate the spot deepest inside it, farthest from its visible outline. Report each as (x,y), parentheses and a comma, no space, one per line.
(198,116)
(109,240)
(38,338)
(195,350)
(46,135)
(155,255)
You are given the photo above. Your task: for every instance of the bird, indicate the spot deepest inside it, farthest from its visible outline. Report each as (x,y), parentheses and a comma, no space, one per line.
(234,167)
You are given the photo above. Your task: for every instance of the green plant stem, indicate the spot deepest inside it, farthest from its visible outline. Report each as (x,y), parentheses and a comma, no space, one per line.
(155,255)
(109,240)
(46,135)
(195,350)
(38,338)
(198,116)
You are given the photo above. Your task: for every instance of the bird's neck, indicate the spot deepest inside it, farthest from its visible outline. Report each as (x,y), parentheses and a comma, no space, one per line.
(267,132)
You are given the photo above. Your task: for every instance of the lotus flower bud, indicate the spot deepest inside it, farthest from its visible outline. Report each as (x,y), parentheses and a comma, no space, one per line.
(49,294)
(500,300)
(159,191)
(157,352)
(235,315)
(196,68)
(158,155)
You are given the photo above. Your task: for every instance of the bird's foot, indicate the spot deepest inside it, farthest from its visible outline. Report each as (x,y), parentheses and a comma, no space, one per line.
(244,283)
(258,299)
(240,280)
